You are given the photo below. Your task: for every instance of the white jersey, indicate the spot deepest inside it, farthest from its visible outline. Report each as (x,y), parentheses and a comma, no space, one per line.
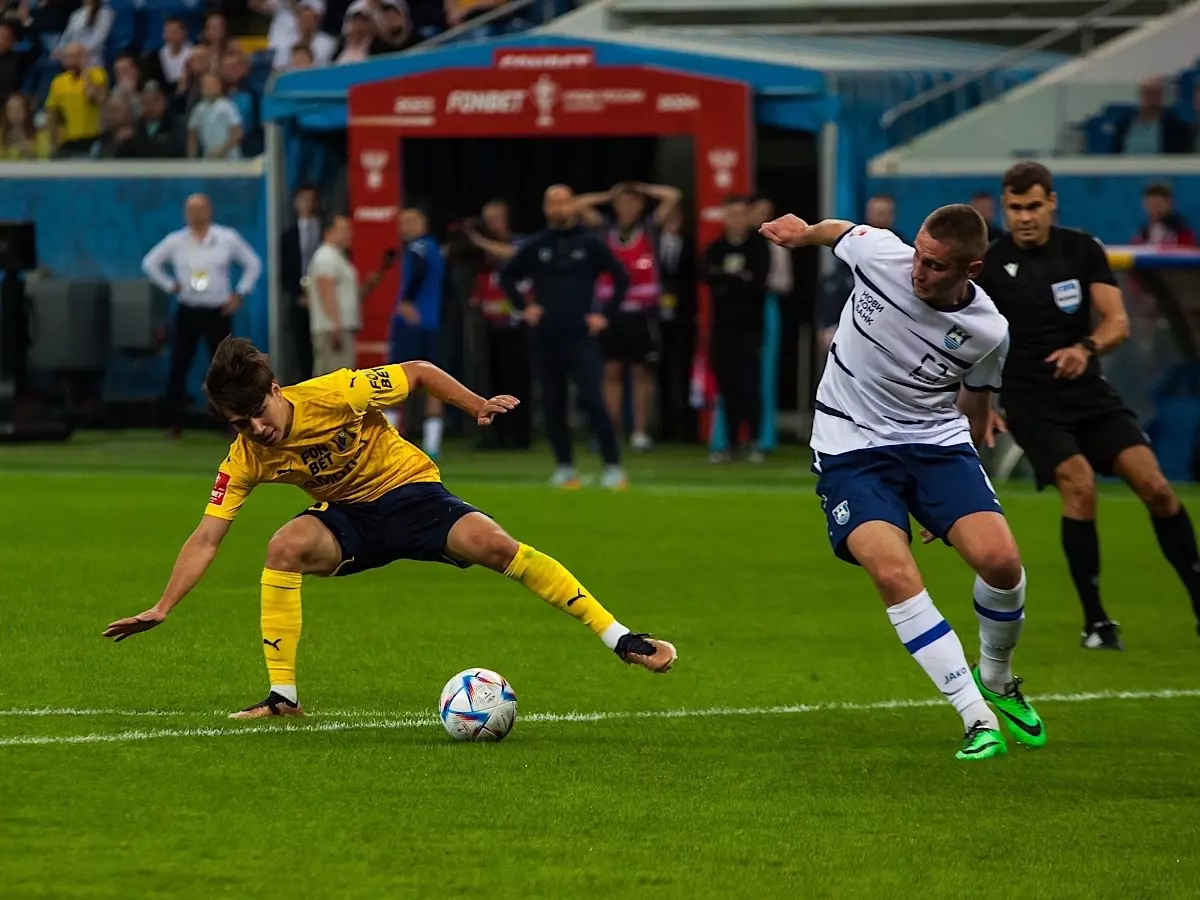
(896,362)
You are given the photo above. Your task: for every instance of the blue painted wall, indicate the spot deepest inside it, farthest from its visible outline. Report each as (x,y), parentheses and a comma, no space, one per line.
(100,228)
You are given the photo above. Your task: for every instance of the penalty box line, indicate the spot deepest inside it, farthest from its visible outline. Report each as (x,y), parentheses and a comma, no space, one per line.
(352,720)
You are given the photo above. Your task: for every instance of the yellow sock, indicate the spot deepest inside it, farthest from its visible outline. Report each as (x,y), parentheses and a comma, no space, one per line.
(550,580)
(281,626)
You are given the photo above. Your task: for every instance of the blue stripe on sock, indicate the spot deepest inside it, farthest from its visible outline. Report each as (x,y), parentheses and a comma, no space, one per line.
(941,629)
(1000,615)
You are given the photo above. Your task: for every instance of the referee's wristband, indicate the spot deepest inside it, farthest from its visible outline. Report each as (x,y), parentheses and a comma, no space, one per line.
(1090,346)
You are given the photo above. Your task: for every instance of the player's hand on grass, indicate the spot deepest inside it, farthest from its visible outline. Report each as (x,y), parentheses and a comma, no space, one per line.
(123,628)
(596,323)
(494,407)
(1069,362)
(786,231)
(995,425)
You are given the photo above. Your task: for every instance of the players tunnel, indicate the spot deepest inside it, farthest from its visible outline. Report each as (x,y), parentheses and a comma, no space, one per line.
(449,129)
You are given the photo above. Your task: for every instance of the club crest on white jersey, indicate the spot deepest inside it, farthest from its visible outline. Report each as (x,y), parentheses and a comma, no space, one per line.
(896,363)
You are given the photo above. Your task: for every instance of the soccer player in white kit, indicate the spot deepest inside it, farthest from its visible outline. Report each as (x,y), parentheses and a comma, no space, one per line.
(917,351)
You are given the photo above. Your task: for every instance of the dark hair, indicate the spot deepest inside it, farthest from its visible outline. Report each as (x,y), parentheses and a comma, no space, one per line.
(1023,177)
(239,378)
(888,197)
(1158,189)
(302,187)
(92,13)
(176,20)
(982,195)
(330,220)
(738,198)
(960,226)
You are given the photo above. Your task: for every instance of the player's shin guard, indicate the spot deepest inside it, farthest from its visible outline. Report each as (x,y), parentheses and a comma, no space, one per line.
(1177,539)
(551,581)
(1001,616)
(937,649)
(281,628)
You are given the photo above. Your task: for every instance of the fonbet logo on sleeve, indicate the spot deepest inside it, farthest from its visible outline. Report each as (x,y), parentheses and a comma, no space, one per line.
(220,486)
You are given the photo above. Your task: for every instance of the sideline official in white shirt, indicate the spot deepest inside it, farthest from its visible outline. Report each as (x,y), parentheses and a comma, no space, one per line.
(193,264)
(334,298)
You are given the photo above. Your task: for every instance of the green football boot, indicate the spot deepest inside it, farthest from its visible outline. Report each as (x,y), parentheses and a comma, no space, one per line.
(981,742)
(1021,719)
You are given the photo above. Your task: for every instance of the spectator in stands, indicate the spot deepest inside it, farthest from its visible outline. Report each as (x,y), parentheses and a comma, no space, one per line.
(301,58)
(214,126)
(677,263)
(1164,226)
(74,102)
(43,17)
(20,138)
(89,25)
(216,35)
(120,128)
(168,64)
(156,135)
(392,20)
(359,39)
(235,71)
(985,204)
(881,213)
(189,88)
(14,63)
(127,80)
(297,245)
(780,284)
(459,11)
(321,45)
(1153,129)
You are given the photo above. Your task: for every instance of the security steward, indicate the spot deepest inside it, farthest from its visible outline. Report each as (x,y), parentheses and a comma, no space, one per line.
(1050,283)
(564,260)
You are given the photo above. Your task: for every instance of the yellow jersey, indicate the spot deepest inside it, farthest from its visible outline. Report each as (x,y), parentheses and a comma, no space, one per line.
(340,447)
(68,97)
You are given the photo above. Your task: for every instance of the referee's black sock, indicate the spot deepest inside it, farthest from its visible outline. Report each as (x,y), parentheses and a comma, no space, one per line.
(1178,542)
(1082,547)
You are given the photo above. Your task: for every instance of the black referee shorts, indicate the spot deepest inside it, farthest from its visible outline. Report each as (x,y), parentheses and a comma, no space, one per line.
(632,337)
(1089,419)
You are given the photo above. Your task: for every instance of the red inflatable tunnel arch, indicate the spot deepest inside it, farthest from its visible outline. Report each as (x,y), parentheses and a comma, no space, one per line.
(535,93)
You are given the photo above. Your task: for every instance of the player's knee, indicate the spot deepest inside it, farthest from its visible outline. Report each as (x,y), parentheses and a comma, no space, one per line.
(1077,483)
(1155,491)
(1001,566)
(493,549)
(286,550)
(897,581)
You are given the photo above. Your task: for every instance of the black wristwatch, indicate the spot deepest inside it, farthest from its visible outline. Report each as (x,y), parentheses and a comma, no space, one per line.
(1089,345)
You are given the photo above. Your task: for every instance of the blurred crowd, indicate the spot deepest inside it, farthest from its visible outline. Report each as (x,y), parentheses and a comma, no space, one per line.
(114,80)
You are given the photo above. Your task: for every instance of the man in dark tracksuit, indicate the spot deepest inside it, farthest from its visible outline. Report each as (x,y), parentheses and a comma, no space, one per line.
(564,260)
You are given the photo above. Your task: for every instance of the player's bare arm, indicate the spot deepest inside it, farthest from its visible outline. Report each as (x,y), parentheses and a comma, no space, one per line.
(424,376)
(1110,333)
(196,555)
(791,231)
(985,422)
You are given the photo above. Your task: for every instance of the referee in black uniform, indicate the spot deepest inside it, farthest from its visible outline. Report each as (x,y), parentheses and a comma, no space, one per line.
(1050,283)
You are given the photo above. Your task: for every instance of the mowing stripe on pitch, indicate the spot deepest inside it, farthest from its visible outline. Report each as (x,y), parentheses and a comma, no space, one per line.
(364,721)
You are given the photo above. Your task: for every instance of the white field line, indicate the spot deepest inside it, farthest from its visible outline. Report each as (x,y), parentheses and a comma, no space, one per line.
(362,720)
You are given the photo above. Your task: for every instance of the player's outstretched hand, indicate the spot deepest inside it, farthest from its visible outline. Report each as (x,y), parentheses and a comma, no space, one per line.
(786,231)
(1069,362)
(123,628)
(494,407)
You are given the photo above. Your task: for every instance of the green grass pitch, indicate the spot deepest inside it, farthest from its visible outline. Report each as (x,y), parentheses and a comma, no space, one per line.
(773,762)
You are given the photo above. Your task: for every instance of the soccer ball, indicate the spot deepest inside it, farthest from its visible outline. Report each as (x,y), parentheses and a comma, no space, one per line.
(477,705)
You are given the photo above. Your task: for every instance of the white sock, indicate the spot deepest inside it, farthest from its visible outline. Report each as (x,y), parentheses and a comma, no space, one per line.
(431,441)
(1001,615)
(937,649)
(612,634)
(286,690)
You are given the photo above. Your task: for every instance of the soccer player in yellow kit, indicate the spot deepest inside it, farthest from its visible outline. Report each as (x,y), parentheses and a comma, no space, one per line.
(378,499)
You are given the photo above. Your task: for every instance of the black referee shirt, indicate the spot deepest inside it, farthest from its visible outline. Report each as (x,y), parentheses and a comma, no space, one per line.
(1044,292)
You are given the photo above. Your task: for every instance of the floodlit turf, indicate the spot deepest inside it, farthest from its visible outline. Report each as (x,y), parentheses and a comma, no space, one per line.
(789,777)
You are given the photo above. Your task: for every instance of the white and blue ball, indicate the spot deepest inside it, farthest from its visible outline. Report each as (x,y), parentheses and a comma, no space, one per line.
(478,705)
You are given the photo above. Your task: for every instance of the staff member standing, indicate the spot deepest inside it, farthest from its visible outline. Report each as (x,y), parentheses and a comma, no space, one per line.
(507,335)
(1048,282)
(417,320)
(564,260)
(199,257)
(335,298)
(736,268)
